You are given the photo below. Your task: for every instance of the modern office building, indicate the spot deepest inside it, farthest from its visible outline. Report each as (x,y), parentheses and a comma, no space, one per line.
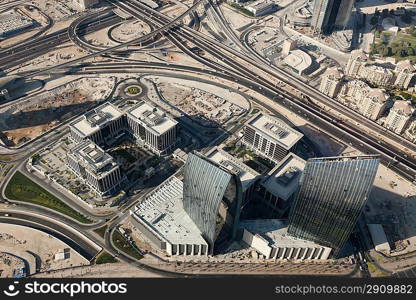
(278,188)
(212,198)
(270,239)
(101,125)
(329,15)
(247,175)
(189,216)
(331,82)
(332,194)
(399,116)
(270,136)
(374,104)
(161,219)
(151,126)
(96,168)
(404,73)
(261,7)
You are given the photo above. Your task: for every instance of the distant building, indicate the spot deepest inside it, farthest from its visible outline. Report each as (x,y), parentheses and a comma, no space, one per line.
(261,8)
(270,239)
(374,104)
(96,168)
(332,194)
(329,15)
(189,216)
(331,82)
(288,45)
(14,23)
(212,197)
(84,4)
(153,127)
(101,125)
(300,61)
(404,74)
(270,136)
(356,62)
(278,188)
(144,123)
(377,75)
(247,175)
(354,91)
(399,116)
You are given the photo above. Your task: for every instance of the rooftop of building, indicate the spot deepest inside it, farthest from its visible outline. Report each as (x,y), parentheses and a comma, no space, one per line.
(298,60)
(358,54)
(154,118)
(234,165)
(405,65)
(334,73)
(95,119)
(343,158)
(283,180)
(162,211)
(379,95)
(274,231)
(277,130)
(404,107)
(93,157)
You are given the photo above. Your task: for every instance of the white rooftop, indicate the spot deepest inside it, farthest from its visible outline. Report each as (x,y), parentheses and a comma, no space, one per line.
(298,59)
(283,180)
(96,118)
(277,130)
(94,158)
(246,174)
(275,232)
(152,116)
(163,212)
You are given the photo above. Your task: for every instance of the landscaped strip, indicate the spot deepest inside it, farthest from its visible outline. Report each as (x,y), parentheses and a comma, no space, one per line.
(105,258)
(21,188)
(122,244)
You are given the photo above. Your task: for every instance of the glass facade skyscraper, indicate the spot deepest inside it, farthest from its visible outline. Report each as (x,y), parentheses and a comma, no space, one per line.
(332,194)
(331,14)
(211,197)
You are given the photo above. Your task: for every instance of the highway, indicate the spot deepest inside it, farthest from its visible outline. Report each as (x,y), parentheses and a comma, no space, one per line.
(12,57)
(390,156)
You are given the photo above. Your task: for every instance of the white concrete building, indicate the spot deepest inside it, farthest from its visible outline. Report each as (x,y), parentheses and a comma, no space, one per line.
(261,8)
(151,125)
(374,104)
(279,186)
(269,238)
(247,175)
(353,92)
(399,116)
(160,217)
(96,168)
(299,61)
(84,4)
(404,74)
(356,62)
(377,75)
(270,136)
(100,125)
(331,82)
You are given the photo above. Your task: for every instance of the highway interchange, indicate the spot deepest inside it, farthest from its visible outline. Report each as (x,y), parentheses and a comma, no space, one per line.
(240,65)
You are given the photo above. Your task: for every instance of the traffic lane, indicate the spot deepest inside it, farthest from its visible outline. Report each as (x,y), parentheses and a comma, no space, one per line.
(68,237)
